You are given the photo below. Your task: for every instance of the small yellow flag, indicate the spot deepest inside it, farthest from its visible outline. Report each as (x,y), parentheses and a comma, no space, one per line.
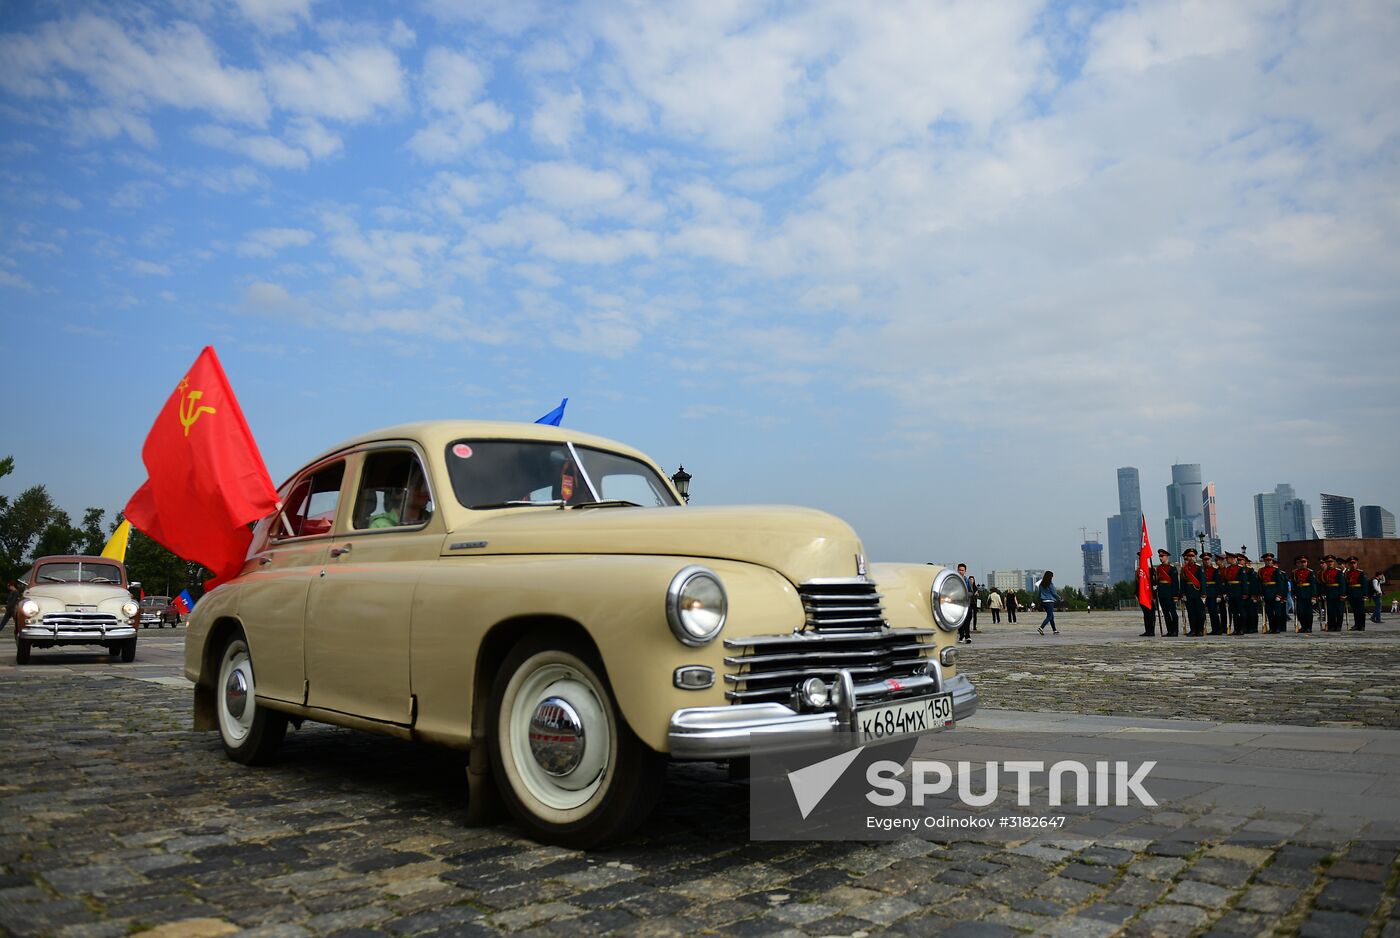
(116,547)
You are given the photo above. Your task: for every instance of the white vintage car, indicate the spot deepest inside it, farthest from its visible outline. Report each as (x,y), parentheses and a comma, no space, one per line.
(73,600)
(546,600)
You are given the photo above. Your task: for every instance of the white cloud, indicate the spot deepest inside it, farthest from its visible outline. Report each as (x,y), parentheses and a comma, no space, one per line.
(265,242)
(346,84)
(550,237)
(261,148)
(150,268)
(451,87)
(276,16)
(558,119)
(175,65)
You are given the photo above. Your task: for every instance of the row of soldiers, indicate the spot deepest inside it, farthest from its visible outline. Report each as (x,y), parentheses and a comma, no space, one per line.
(1229,591)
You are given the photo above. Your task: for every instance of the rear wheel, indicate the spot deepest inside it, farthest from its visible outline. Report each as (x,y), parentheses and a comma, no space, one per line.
(570,769)
(250,732)
(21,651)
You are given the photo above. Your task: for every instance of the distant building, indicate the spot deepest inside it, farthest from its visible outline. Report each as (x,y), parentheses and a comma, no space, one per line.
(1376,522)
(1116,562)
(1031,579)
(1266,522)
(1007,579)
(1122,552)
(1294,516)
(1185,513)
(1338,516)
(1095,576)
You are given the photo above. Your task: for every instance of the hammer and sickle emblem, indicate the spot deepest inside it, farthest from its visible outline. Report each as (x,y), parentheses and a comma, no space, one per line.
(190,408)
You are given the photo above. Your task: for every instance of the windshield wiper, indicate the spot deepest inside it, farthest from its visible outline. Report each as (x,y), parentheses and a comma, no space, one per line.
(52,579)
(519,503)
(609,503)
(99,579)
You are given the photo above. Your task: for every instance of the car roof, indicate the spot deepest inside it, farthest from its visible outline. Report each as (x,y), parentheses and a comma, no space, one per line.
(434,435)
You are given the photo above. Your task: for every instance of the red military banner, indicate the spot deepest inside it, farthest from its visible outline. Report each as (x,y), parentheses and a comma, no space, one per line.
(206,479)
(1144,569)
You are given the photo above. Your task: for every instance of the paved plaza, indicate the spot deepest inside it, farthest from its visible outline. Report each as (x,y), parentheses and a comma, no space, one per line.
(116,819)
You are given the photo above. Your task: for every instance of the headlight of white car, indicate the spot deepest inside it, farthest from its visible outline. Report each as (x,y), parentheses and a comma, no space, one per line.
(130,609)
(951,603)
(696,605)
(29,609)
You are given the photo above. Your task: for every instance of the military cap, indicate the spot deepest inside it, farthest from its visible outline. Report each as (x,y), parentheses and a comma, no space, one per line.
(1267,556)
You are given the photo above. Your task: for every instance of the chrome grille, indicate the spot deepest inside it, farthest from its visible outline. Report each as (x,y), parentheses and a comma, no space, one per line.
(69,621)
(767,668)
(842,605)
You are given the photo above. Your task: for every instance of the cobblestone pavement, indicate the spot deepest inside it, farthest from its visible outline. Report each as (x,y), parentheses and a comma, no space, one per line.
(115,819)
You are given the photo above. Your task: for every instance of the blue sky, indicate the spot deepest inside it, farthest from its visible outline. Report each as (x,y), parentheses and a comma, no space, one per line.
(939,268)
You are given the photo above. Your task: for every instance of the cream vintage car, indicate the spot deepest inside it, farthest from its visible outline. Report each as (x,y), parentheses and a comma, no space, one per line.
(75,600)
(544,599)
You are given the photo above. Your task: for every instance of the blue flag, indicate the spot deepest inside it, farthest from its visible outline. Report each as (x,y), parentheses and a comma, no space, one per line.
(554,416)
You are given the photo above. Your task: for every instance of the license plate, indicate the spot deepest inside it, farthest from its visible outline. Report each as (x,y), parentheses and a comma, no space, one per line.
(901,719)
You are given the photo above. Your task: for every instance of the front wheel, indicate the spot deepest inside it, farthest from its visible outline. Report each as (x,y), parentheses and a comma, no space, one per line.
(250,732)
(128,650)
(570,769)
(21,651)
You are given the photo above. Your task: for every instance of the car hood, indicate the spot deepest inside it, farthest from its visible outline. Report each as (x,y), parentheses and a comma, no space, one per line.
(800,543)
(76,594)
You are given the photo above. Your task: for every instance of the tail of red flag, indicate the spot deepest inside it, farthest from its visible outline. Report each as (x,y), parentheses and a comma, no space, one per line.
(206,479)
(1144,569)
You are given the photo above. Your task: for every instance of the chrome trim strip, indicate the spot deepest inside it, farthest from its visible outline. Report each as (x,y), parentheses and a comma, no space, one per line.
(759,641)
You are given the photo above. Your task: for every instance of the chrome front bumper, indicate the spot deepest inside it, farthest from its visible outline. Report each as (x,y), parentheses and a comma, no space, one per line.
(708,733)
(80,635)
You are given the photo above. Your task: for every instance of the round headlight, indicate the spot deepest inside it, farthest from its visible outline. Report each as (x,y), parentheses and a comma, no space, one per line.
(130,609)
(951,604)
(29,608)
(696,605)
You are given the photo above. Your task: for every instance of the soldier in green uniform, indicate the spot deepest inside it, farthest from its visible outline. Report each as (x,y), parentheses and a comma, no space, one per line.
(1253,592)
(1332,588)
(1304,592)
(1357,586)
(1234,592)
(1168,584)
(1274,584)
(1192,589)
(1214,580)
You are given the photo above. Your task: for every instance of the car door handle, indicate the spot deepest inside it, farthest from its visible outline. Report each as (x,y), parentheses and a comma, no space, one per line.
(337,551)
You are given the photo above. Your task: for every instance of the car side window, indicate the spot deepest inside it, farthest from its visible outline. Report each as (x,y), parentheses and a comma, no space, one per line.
(393,492)
(311,503)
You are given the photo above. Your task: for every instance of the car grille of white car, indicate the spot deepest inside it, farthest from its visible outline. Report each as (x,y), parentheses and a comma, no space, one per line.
(80,621)
(845,630)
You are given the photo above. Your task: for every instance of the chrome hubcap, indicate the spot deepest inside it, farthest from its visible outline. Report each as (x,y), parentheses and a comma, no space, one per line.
(236,694)
(556,737)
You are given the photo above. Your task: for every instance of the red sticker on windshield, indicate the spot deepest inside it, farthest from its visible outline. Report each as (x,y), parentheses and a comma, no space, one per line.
(462,451)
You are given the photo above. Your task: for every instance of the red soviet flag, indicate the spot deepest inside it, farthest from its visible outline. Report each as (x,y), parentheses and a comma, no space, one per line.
(206,479)
(1144,569)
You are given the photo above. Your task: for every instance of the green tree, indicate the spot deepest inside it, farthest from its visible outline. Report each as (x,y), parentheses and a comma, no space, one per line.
(23,521)
(94,539)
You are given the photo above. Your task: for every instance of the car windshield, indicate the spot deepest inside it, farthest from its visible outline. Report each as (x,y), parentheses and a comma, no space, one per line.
(506,473)
(156,601)
(78,571)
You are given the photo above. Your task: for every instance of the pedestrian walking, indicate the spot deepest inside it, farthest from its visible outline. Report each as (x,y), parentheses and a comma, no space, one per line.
(14,593)
(1048,599)
(994,603)
(976,600)
(1011,606)
(965,630)
(1377,587)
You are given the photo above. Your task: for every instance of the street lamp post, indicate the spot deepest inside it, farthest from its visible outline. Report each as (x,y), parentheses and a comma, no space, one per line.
(681,480)
(1202,538)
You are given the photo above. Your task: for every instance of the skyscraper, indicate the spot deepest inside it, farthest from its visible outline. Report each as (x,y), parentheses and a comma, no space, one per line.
(1338,515)
(1210,521)
(1184,512)
(1376,522)
(1266,527)
(1122,553)
(1094,576)
(1294,515)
